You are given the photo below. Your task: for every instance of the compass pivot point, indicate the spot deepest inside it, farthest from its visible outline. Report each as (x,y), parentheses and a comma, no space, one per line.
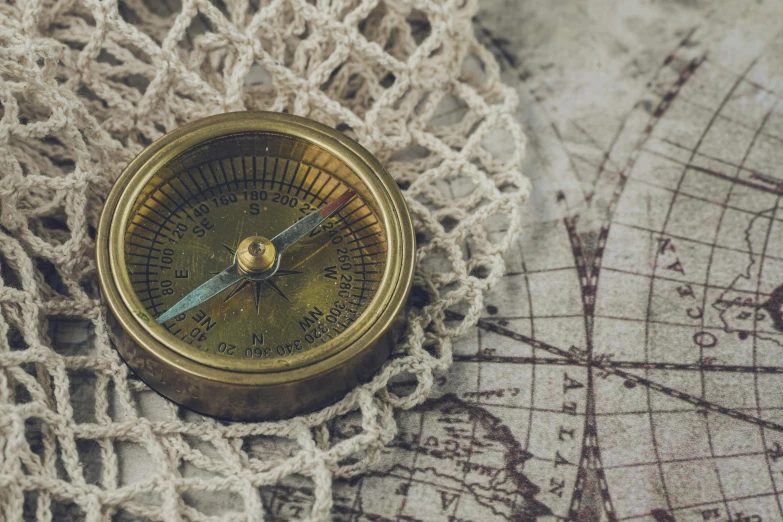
(255,254)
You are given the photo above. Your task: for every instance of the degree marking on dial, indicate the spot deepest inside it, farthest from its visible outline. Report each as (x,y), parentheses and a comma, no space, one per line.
(244,172)
(225,175)
(149,298)
(195,184)
(326,197)
(156,200)
(356,240)
(150,247)
(363,258)
(364,246)
(363,255)
(184,200)
(263,178)
(223,171)
(310,190)
(233,171)
(142,226)
(171,212)
(149,256)
(327,209)
(155,211)
(356,231)
(254,173)
(147,262)
(177,206)
(145,238)
(274,172)
(285,174)
(356,221)
(186,187)
(204,194)
(293,179)
(197,188)
(214,177)
(210,188)
(304,178)
(351,213)
(144,281)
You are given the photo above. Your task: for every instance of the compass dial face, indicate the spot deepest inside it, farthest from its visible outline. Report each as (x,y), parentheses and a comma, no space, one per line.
(188,220)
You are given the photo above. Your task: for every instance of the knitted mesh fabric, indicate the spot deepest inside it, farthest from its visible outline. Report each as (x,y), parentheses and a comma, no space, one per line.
(85,85)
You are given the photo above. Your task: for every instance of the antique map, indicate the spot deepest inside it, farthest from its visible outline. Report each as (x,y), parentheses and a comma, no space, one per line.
(630,364)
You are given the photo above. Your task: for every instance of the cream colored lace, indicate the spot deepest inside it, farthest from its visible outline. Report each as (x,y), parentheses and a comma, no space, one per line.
(87,84)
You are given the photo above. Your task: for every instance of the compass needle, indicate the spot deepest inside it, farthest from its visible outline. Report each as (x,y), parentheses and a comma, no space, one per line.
(253,260)
(256,260)
(304,226)
(204,292)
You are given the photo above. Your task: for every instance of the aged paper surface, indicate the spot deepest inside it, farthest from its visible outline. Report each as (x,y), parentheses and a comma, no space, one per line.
(630,364)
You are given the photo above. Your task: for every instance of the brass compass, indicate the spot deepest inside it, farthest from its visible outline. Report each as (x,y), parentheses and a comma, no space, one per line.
(255,265)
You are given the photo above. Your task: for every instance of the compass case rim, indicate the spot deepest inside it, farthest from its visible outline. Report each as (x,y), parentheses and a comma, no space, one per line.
(243,395)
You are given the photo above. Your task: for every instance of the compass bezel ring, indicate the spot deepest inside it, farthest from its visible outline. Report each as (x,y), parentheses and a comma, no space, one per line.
(230,390)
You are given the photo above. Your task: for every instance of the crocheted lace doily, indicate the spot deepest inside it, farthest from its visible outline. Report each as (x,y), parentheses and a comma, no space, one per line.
(87,84)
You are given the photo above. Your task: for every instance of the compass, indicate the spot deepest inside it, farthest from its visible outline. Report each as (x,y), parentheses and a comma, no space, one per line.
(255,265)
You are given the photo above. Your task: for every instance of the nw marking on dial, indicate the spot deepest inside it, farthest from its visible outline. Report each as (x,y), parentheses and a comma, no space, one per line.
(257,285)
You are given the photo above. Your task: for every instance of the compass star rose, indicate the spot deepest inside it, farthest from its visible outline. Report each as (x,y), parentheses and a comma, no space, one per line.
(258,285)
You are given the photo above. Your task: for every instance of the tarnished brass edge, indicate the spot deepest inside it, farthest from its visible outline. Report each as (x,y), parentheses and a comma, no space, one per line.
(253,396)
